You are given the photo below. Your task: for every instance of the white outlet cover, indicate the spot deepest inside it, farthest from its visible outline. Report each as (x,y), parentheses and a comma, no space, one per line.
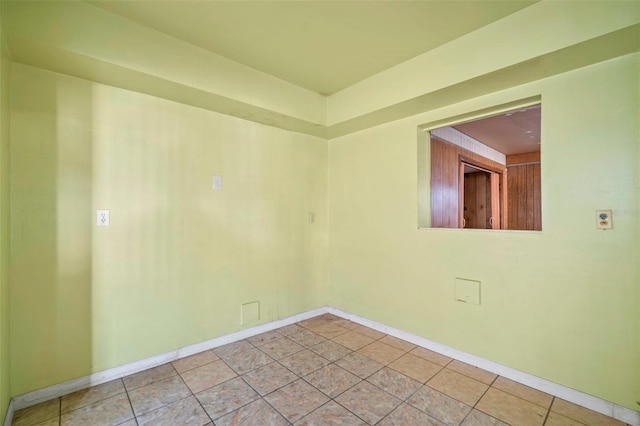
(102,217)
(217,182)
(604,219)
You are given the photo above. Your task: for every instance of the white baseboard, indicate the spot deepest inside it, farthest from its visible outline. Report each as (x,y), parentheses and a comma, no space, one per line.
(45,394)
(607,408)
(8,418)
(588,401)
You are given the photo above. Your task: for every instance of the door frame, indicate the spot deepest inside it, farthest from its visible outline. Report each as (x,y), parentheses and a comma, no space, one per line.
(498,191)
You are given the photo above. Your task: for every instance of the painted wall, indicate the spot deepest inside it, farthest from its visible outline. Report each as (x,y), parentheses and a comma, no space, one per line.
(563,304)
(5,68)
(179,258)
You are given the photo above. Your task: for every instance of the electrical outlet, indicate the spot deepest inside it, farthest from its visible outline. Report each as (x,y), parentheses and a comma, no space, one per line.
(102,217)
(604,219)
(217,183)
(312,217)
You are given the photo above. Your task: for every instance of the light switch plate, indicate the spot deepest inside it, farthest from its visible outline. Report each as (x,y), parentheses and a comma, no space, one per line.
(604,219)
(217,183)
(102,217)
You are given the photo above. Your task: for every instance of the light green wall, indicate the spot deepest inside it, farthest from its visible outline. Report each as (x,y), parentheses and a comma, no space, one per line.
(562,304)
(179,258)
(5,67)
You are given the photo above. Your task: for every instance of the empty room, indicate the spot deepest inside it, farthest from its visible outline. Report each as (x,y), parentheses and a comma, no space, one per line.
(320,213)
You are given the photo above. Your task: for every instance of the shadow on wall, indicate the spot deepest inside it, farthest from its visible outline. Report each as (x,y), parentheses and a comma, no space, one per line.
(51,231)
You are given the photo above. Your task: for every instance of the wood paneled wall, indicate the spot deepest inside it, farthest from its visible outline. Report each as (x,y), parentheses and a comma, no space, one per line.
(445,181)
(523,189)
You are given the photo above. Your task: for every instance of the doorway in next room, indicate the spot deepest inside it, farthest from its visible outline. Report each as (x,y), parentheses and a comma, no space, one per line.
(486,173)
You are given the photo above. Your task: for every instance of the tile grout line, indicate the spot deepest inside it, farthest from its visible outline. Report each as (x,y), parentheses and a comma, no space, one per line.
(553,398)
(126,391)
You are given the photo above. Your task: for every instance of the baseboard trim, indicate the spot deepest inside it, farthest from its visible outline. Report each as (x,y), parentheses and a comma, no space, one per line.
(41,395)
(8,417)
(607,408)
(591,402)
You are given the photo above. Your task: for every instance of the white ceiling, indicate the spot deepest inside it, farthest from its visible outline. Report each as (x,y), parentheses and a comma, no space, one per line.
(324,46)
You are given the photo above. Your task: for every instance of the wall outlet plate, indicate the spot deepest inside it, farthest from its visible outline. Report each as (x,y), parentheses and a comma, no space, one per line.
(102,217)
(217,183)
(604,219)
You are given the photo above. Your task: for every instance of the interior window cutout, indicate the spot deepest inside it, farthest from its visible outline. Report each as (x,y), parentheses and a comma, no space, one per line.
(485,173)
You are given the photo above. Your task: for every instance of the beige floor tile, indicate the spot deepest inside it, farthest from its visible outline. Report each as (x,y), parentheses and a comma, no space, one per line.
(186,411)
(37,414)
(353,340)
(397,384)
(581,414)
(304,362)
(511,409)
(269,378)
(307,338)
(281,348)
(381,352)
(417,368)
(288,330)
(194,361)
(158,394)
(230,349)
(331,414)
(248,360)
(253,414)
(330,350)
(109,412)
(397,343)
(521,391)
(149,376)
(368,402)
(208,375)
(359,365)
(406,415)
(314,322)
(131,422)
(329,317)
(329,330)
(440,406)
(93,394)
(458,386)
(555,419)
(296,400)
(226,397)
(55,421)
(476,373)
(346,324)
(431,356)
(332,380)
(369,332)
(478,418)
(261,339)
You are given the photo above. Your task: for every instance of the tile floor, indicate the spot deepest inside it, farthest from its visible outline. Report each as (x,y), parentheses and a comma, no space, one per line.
(322,371)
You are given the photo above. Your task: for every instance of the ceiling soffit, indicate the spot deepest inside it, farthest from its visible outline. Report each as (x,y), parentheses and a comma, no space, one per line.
(323,46)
